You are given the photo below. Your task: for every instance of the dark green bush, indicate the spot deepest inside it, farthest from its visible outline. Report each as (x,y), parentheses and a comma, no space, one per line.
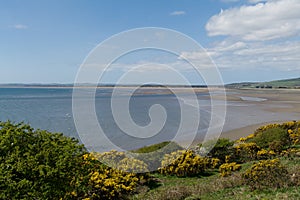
(36,164)
(276,137)
(219,149)
(153,155)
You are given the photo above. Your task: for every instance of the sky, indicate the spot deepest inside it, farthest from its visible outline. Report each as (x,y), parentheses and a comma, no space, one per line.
(248,40)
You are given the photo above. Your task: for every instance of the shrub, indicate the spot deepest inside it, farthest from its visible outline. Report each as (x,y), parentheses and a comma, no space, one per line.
(153,155)
(246,152)
(291,152)
(214,163)
(152,148)
(38,164)
(109,183)
(292,127)
(276,137)
(219,149)
(265,154)
(276,146)
(183,163)
(110,158)
(227,168)
(267,174)
(294,135)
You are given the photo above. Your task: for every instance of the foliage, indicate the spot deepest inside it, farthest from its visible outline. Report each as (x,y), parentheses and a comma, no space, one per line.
(227,168)
(38,164)
(294,135)
(214,163)
(152,148)
(267,174)
(265,154)
(109,183)
(219,148)
(153,155)
(121,161)
(291,152)
(183,163)
(276,138)
(246,152)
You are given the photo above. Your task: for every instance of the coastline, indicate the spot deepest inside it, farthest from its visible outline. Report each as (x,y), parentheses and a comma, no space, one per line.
(236,134)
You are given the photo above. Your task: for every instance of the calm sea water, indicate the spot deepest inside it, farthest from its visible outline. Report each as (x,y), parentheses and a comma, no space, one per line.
(51,109)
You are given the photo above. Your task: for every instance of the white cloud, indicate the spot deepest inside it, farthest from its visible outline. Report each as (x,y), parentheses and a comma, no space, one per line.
(282,56)
(20,26)
(263,21)
(179,12)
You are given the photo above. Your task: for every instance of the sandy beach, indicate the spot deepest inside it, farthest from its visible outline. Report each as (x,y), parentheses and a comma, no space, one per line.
(276,105)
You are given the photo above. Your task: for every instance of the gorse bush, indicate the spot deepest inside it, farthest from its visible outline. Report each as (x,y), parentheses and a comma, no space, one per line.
(183,163)
(226,169)
(294,135)
(267,174)
(219,148)
(276,138)
(292,128)
(153,155)
(121,161)
(265,154)
(214,163)
(109,183)
(38,164)
(246,152)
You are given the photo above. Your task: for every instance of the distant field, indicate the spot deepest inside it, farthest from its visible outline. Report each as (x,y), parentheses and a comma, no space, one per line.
(286,83)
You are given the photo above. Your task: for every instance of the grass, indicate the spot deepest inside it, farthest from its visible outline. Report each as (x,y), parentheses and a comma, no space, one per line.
(286,83)
(273,182)
(211,186)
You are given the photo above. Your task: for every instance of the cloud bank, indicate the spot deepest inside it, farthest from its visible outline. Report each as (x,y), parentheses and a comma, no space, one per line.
(260,22)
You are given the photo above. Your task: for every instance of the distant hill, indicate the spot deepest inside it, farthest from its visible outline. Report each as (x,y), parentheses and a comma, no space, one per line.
(285,83)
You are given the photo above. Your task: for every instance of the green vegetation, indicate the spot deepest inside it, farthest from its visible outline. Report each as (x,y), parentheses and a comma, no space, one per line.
(219,148)
(285,84)
(154,154)
(152,148)
(36,164)
(274,138)
(183,163)
(267,174)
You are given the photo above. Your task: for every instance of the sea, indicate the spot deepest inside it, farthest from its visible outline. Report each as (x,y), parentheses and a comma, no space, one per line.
(51,109)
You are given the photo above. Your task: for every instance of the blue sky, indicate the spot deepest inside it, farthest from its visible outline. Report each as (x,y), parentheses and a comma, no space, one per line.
(249,40)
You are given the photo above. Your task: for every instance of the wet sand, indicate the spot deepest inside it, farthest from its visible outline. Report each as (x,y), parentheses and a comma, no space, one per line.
(271,106)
